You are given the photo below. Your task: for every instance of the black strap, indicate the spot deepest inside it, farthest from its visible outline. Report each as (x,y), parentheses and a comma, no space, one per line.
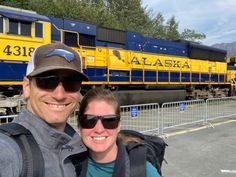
(33,162)
(137,157)
(80,162)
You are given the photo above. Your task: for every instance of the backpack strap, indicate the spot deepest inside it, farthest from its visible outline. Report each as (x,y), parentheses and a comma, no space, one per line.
(33,162)
(80,162)
(137,157)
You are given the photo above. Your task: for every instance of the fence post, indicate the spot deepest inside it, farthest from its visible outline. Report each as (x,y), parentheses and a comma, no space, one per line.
(206,115)
(162,119)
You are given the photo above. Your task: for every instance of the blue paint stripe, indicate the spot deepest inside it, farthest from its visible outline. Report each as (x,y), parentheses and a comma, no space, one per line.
(12,71)
(16,72)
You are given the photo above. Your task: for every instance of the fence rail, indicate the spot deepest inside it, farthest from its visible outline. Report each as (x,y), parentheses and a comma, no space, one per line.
(175,114)
(7,118)
(141,117)
(155,119)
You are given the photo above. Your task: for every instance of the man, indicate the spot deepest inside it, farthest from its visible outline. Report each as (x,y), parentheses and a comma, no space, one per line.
(51,89)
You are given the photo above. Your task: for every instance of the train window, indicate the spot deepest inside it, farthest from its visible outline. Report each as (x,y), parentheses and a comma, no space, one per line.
(25,28)
(39,30)
(86,40)
(13,27)
(19,27)
(71,39)
(111,35)
(1,25)
(119,73)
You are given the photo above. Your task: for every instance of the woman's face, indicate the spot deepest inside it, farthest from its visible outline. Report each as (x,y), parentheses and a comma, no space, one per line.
(98,139)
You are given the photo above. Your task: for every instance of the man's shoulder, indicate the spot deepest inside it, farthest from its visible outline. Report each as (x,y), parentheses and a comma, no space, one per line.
(10,156)
(8,145)
(29,157)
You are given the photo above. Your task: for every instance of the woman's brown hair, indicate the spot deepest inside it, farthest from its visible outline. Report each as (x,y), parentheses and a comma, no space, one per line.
(99,93)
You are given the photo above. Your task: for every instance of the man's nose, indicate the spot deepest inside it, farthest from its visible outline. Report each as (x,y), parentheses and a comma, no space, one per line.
(59,92)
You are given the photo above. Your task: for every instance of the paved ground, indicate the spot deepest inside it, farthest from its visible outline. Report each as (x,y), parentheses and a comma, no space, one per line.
(208,152)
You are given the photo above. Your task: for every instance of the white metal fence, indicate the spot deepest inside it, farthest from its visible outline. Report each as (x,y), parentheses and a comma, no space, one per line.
(7,118)
(220,107)
(155,119)
(182,113)
(141,117)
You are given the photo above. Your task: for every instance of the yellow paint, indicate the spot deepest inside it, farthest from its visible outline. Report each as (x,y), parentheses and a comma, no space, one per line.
(20,48)
(166,135)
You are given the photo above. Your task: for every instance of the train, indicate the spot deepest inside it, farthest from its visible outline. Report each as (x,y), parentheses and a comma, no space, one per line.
(136,68)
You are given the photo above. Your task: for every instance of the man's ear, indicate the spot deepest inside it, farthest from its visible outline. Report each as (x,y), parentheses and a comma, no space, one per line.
(26,88)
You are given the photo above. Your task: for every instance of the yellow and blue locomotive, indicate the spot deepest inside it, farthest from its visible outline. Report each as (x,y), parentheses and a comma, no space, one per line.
(139,69)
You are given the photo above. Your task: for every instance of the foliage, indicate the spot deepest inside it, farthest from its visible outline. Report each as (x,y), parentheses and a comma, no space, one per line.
(118,14)
(172,29)
(130,14)
(15,3)
(158,29)
(191,35)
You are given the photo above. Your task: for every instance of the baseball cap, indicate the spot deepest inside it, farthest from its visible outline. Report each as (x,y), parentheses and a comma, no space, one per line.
(53,57)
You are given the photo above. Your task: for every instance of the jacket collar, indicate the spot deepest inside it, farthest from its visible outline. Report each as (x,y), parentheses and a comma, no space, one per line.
(48,136)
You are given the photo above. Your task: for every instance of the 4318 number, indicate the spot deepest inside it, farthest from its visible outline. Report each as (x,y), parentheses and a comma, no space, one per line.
(18,50)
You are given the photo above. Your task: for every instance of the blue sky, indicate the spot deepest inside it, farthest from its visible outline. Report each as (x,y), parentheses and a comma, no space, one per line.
(215,18)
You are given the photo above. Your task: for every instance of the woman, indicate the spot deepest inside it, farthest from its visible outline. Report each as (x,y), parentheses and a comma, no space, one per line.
(99,124)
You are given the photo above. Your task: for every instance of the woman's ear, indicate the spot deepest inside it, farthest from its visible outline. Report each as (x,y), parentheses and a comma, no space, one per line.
(119,127)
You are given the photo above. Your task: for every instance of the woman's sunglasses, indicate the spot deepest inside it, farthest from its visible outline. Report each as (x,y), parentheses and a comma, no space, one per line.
(70,83)
(89,121)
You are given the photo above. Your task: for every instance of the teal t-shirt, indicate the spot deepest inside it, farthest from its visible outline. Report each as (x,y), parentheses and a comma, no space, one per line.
(100,169)
(106,169)
(151,170)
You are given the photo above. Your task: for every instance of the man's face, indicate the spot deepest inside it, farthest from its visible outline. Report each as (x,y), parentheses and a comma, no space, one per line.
(53,105)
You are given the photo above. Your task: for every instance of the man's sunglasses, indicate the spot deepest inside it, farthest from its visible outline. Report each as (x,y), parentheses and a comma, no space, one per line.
(70,83)
(89,121)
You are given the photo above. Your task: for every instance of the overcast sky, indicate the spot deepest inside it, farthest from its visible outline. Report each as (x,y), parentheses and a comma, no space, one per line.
(215,18)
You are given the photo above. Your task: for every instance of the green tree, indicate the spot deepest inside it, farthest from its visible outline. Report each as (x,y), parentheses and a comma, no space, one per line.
(191,35)
(130,14)
(158,29)
(171,28)
(119,14)
(101,15)
(43,7)
(15,3)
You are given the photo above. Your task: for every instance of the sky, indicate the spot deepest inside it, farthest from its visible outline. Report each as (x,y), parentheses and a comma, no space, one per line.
(215,18)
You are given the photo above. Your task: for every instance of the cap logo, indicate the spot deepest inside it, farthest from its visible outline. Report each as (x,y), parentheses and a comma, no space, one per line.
(62,53)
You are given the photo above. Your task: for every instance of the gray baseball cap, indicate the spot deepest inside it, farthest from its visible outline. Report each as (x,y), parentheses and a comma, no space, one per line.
(55,56)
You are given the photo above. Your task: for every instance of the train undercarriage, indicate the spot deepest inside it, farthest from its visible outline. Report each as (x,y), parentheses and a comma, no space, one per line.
(209,91)
(129,95)
(167,93)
